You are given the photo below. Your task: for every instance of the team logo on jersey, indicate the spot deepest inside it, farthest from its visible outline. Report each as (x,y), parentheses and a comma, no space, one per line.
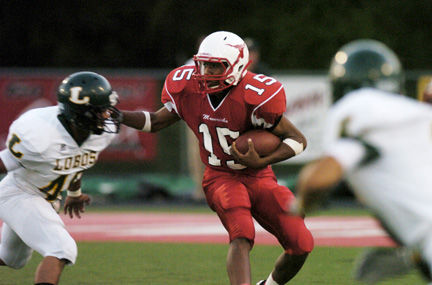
(85,160)
(209,118)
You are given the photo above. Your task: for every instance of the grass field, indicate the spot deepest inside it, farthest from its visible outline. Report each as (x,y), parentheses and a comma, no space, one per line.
(190,264)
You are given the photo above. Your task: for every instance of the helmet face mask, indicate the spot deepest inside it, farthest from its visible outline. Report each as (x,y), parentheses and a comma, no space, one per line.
(213,82)
(365,63)
(226,49)
(87,101)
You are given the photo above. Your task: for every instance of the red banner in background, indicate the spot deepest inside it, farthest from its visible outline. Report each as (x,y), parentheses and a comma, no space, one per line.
(19,93)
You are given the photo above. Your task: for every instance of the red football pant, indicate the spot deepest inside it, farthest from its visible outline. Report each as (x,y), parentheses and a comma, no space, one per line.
(237,198)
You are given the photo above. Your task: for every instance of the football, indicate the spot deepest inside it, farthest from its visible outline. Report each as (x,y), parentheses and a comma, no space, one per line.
(264,142)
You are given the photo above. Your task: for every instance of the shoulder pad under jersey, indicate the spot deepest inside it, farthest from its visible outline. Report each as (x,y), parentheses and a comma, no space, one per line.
(33,129)
(179,79)
(264,92)
(260,88)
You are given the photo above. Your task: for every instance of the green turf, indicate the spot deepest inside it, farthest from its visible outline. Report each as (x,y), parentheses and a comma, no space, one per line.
(189,264)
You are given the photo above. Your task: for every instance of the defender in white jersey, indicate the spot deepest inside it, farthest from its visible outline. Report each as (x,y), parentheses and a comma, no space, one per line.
(380,143)
(46,152)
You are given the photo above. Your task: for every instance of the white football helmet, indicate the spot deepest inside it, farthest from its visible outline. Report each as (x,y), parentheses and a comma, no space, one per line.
(224,48)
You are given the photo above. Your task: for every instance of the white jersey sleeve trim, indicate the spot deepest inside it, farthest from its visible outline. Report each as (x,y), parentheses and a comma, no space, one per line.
(171,105)
(9,161)
(348,152)
(261,122)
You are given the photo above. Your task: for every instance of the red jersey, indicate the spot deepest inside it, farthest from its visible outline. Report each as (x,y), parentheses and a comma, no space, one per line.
(256,102)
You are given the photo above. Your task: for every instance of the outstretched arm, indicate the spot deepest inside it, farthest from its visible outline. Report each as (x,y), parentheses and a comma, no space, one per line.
(149,121)
(314,183)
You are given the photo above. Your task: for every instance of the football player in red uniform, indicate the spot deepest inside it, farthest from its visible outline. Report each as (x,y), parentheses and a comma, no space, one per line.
(219,99)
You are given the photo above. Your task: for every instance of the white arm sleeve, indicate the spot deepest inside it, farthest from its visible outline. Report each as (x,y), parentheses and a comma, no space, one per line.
(9,161)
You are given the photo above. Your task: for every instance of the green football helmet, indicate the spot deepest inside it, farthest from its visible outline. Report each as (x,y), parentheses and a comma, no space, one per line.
(365,63)
(85,98)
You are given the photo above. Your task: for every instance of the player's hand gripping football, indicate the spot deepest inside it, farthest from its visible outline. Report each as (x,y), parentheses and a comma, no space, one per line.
(250,159)
(76,205)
